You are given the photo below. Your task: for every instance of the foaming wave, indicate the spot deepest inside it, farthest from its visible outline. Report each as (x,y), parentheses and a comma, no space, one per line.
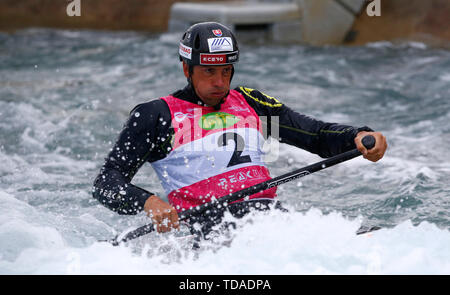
(267,243)
(387,44)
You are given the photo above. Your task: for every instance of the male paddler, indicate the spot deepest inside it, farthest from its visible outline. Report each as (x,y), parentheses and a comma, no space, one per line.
(204,141)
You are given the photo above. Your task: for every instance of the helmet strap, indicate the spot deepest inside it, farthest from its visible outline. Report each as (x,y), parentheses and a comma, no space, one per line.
(189,78)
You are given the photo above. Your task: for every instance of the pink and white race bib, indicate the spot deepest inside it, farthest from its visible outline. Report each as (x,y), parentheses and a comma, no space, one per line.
(214,153)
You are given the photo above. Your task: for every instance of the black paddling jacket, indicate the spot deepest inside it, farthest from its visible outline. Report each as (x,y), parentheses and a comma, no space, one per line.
(144,138)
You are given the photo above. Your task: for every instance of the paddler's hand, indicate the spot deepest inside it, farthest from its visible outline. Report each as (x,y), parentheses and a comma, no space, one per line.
(163,215)
(375,153)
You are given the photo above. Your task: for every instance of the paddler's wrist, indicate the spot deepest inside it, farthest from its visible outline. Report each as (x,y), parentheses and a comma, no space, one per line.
(364,128)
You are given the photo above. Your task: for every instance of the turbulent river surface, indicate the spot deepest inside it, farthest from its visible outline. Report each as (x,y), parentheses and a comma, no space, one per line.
(65,95)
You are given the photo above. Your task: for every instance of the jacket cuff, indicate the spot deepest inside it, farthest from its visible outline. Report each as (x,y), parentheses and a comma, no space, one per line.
(357,130)
(364,128)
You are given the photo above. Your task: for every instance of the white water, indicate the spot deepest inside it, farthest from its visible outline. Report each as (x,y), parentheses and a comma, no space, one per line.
(267,243)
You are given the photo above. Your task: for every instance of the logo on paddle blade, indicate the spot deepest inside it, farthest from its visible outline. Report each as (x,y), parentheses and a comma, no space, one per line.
(217,120)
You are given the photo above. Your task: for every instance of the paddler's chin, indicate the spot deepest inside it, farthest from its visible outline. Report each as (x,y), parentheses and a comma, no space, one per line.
(213,101)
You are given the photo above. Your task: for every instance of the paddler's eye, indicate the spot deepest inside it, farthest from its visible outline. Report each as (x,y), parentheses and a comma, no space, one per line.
(210,71)
(226,71)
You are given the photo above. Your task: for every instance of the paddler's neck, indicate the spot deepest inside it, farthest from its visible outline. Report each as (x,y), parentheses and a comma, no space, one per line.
(189,94)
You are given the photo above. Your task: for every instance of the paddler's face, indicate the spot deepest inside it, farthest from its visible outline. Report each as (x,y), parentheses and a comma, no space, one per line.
(211,83)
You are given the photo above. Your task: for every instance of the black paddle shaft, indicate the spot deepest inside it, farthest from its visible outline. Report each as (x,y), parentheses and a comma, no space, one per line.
(368,141)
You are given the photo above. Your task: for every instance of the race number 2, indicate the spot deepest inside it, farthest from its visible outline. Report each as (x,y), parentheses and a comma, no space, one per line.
(239,145)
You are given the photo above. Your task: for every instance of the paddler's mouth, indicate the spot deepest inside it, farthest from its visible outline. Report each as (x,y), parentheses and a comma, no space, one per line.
(218,94)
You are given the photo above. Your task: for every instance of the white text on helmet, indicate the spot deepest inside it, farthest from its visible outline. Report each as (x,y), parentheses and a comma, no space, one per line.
(185,51)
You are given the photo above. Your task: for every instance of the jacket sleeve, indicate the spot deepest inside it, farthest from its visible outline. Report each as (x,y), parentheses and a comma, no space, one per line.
(318,137)
(138,142)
